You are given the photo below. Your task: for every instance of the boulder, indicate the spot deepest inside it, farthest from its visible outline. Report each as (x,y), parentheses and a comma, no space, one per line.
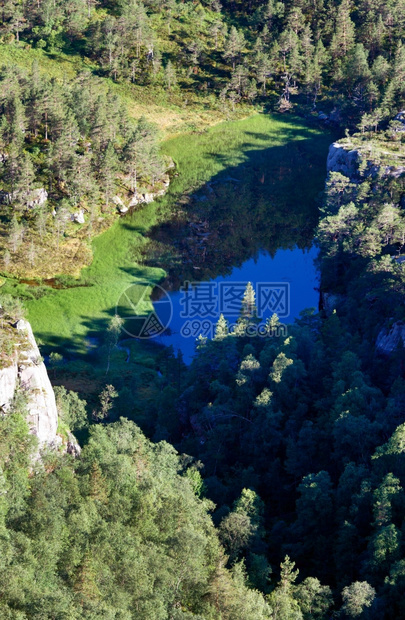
(335,116)
(78,217)
(73,446)
(329,302)
(119,204)
(148,198)
(117,201)
(134,201)
(389,339)
(394,171)
(342,160)
(6,198)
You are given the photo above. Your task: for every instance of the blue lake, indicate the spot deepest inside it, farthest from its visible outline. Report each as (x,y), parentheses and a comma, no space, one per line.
(285,284)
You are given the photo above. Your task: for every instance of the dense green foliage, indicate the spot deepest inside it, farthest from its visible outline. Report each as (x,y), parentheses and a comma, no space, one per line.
(119,534)
(75,141)
(232,51)
(313,422)
(277,451)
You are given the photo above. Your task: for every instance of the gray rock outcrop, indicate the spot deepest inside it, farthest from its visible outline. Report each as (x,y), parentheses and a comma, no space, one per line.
(28,373)
(122,208)
(8,385)
(389,339)
(342,160)
(148,197)
(400,116)
(33,378)
(78,217)
(34,198)
(37,198)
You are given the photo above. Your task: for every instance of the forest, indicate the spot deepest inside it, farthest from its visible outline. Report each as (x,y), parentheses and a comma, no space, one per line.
(264,480)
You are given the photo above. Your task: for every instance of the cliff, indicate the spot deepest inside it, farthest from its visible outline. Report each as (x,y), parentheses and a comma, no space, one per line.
(28,372)
(342,159)
(375,158)
(362,234)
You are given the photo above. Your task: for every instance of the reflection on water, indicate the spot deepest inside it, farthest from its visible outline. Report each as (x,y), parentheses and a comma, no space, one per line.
(287,283)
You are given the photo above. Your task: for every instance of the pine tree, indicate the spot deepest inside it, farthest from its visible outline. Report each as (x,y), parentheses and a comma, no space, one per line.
(249,309)
(221,328)
(170,76)
(16,234)
(344,36)
(108,169)
(234,46)
(26,176)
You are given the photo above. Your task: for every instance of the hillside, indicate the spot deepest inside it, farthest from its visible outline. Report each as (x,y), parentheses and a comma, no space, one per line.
(174,142)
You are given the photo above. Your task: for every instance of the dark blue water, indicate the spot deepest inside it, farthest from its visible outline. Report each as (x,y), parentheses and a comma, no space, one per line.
(285,284)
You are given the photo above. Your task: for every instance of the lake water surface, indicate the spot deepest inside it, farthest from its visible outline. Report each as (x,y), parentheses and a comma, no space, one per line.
(292,274)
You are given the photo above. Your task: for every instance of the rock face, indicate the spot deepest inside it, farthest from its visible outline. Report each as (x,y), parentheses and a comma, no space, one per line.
(341,160)
(400,116)
(8,385)
(389,339)
(30,374)
(34,198)
(37,198)
(328,302)
(33,377)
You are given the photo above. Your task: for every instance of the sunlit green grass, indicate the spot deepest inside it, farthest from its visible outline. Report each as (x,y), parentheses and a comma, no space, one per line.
(64,318)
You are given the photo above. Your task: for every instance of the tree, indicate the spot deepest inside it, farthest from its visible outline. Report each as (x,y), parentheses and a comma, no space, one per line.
(71,408)
(170,76)
(113,334)
(221,328)
(343,38)
(108,169)
(314,599)
(26,176)
(16,234)
(60,222)
(281,600)
(234,45)
(357,597)
(6,259)
(32,254)
(236,531)
(106,398)
(249,309)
